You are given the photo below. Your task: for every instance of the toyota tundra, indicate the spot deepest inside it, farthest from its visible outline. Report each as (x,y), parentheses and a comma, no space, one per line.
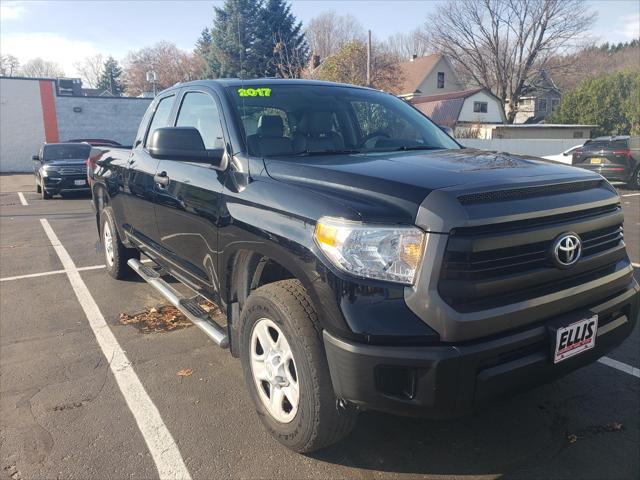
(362,257)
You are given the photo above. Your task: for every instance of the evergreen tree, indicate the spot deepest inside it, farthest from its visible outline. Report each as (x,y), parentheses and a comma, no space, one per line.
(110,78)
(202,52)
(235,41)
(610,100)
(283,40)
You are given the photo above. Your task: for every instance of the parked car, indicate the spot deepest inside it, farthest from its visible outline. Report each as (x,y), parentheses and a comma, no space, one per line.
(564,157)
(615,158)
(362,257)
(60,168)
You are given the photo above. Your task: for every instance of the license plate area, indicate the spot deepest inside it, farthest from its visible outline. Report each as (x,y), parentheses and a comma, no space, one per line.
(596,160)
(79,183)
(575,338)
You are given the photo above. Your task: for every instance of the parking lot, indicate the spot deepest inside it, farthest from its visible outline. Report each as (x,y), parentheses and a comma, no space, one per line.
(83,398)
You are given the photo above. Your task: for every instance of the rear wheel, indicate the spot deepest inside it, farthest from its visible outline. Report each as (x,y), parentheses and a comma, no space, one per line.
(116,254)
(286,370)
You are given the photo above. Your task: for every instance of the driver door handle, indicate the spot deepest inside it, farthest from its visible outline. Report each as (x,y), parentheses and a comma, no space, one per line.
(161,179)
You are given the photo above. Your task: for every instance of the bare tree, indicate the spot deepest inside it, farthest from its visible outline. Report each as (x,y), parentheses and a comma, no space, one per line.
(499,43)
(406,45)
(288,62)
(329,32)
(171,64)
(9,65)
(90,69)
(38,67)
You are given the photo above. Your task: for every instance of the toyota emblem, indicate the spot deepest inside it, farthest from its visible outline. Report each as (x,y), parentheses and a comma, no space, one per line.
(566,250)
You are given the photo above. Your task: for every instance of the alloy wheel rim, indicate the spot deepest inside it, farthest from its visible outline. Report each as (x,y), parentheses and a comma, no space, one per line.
(108,244)
(274,371)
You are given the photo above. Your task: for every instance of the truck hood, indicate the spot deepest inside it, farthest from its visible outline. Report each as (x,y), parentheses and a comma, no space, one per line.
(400,181)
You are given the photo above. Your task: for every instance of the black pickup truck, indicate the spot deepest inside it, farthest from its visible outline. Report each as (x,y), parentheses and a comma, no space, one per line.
(363,258)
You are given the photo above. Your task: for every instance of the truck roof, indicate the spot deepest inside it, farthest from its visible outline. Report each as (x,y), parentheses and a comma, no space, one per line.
(237,82)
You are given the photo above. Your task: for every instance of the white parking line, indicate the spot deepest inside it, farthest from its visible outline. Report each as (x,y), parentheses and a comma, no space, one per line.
(623,367)
(161,444)
(23,200)
(31,275)
(54,272)
(630,195)
(51,272)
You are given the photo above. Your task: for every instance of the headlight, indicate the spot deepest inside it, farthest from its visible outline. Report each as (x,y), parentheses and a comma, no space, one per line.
(46,171)
(370,251)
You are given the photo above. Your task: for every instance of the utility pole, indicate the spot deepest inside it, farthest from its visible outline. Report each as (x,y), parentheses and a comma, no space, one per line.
(369,60)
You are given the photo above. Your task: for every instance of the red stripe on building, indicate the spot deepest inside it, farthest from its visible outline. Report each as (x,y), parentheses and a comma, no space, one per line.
(49,112)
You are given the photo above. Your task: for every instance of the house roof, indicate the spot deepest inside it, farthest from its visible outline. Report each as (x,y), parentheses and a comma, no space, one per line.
(415,71)
(443,112)
(444,108)
(448,96)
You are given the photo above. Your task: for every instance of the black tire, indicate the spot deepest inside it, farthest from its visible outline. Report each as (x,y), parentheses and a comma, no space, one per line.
(318,421)
(634,181)
(38,188)
(116,255)
(45,195)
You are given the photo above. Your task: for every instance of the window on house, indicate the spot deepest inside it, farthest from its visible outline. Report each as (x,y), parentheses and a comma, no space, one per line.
(480,107)
(440,79)
(577,134)
(554,104)
(542,104)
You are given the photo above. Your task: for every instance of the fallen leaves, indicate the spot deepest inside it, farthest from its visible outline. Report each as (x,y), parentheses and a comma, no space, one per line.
(165,318)
(185,372)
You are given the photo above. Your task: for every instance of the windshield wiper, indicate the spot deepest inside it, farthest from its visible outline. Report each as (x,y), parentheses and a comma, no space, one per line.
(311,153)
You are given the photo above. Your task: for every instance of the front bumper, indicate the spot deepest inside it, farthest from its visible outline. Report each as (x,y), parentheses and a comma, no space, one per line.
(448,380)
(65,183)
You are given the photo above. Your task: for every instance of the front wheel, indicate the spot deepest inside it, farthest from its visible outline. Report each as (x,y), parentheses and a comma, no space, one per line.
(286,370)
(116,254)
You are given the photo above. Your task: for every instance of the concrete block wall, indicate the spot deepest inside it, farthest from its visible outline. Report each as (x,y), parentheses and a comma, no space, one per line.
(100,117)
(31,113)
(21,124)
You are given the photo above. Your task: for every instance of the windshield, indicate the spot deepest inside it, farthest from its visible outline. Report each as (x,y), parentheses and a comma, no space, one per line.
(64,152)
(298,120)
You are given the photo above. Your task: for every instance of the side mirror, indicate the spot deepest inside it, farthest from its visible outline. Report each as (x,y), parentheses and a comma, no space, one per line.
(447,130)
(184,144)
(35,158)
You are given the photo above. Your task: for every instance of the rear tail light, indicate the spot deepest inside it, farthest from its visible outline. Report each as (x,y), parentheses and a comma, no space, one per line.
(626,153)
(576,155)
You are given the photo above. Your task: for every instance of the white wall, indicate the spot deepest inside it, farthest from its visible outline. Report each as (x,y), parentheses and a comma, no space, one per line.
(533,147)
(21,124)
(494,110)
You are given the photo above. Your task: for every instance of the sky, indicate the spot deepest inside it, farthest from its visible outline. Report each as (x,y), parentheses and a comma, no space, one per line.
(67,31)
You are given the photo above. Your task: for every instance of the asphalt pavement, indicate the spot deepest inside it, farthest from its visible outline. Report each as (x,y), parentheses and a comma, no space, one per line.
(67,409)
